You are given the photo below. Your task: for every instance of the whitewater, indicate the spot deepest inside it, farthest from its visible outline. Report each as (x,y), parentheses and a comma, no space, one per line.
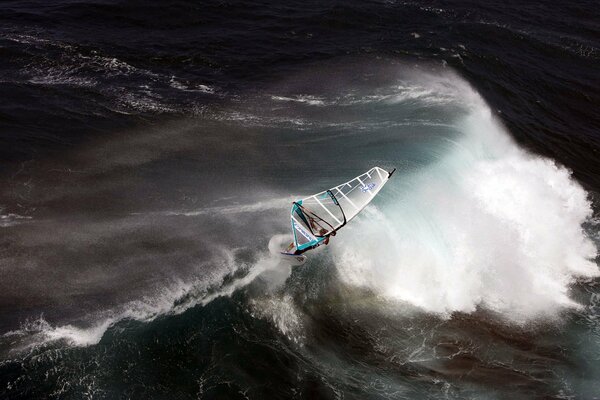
(487,225)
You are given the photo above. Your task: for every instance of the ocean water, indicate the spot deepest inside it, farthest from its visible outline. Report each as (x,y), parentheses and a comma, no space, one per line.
(150,153)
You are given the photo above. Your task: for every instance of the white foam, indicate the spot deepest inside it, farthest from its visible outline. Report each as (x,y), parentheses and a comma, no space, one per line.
(173,299)
(282,313)
(187,87)
(487,225)
(11,219)
(36,332)
(303,98)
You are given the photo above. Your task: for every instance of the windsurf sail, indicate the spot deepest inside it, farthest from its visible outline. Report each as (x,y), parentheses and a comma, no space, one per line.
(317,217)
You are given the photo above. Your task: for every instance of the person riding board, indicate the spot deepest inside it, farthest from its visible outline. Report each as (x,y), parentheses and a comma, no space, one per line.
(322,232)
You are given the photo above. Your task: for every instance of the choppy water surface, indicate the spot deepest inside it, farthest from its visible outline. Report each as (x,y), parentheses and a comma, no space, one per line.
(150,153)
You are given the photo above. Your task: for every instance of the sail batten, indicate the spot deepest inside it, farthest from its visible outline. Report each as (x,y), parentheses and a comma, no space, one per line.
(349,201)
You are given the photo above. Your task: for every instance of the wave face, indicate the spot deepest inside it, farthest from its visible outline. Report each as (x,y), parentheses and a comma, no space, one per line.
(148,161)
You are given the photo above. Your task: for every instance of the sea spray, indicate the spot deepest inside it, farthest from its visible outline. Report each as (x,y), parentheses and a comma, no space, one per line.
(488,224)
(174,298)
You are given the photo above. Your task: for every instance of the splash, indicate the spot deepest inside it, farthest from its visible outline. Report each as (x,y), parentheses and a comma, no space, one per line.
(172,299)
(487,224)
(282,313)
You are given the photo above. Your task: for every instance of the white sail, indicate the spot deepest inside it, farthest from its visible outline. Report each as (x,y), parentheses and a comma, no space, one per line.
(318,216)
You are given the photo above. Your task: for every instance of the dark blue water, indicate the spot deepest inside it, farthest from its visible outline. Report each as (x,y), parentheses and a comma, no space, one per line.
(149,153)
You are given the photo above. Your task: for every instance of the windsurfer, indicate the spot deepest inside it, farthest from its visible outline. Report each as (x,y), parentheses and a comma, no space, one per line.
(322,232)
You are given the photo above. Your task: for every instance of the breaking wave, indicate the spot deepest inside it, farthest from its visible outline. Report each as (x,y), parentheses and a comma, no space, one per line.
(488,224)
